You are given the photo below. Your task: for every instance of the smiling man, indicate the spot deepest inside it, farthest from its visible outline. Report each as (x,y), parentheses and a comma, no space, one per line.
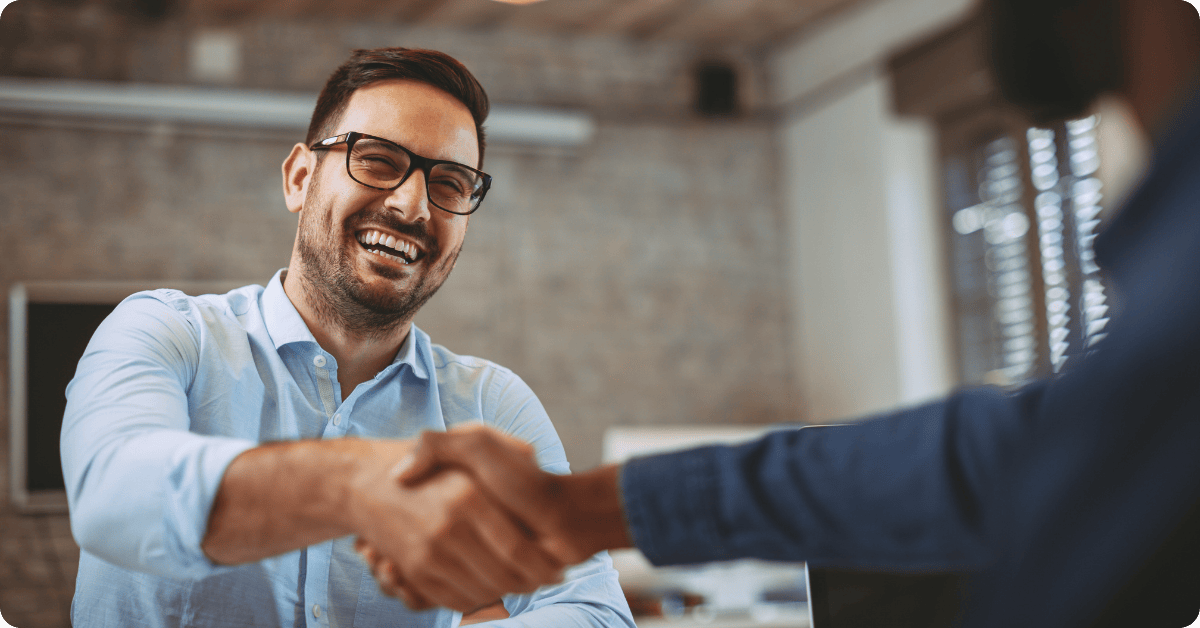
(222,452)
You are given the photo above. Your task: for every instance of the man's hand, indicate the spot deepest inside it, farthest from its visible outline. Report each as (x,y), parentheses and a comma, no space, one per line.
(573,516)
(446,541)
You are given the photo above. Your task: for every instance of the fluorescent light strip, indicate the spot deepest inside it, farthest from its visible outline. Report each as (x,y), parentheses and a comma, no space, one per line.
(251,108)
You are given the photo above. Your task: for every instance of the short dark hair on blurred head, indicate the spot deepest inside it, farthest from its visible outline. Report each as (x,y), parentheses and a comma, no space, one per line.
(1053,58)
(381,64)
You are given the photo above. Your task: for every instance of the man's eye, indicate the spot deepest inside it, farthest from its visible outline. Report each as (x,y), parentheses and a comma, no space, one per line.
(450,185)
(377,162)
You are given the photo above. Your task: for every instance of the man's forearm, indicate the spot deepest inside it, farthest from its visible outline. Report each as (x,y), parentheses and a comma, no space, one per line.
(280,497)
(446,538)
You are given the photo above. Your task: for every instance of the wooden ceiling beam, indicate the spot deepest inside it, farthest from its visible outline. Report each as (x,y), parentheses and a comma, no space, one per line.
(708,21)
(403,12)
(222,11)
(464,13)
(755,23)
(353,10)
(628,16)
(293,8)
(562,16)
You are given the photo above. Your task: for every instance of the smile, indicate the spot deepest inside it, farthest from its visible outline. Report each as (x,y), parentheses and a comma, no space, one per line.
(388,246)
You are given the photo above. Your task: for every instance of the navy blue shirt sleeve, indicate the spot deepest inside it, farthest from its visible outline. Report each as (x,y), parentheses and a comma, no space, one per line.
(902,491)
(1054,495)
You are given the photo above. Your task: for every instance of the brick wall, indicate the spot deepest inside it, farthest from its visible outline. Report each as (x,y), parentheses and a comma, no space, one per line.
(635,280)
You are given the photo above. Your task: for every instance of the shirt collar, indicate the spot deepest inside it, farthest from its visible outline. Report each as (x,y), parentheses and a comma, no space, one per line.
(1174,150)
(416,353)
(282,320)
(285,326)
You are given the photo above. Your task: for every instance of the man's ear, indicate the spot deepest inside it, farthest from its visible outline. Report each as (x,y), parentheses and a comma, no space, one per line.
(298,170)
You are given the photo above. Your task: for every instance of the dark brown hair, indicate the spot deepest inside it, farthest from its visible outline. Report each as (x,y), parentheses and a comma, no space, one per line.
(381,64)
(1053,58)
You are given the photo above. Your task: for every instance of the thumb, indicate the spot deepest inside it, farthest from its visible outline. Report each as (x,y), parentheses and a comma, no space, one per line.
(421,463)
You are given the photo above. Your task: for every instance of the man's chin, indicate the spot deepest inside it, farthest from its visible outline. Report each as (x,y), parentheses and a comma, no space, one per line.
(387,271)
(380,297)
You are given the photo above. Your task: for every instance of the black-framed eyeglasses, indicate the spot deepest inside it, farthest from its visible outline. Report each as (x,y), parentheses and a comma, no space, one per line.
(385,165)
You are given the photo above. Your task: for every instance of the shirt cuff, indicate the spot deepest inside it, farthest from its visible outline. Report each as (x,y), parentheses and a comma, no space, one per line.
(193,482)
(671,506)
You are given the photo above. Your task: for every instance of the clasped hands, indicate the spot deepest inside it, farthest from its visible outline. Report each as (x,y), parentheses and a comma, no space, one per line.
(490,521)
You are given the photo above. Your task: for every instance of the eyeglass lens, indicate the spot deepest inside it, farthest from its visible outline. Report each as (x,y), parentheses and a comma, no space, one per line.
(383,164)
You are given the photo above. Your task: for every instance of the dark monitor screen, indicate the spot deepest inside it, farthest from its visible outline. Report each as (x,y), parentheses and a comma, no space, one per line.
(57,335)
(847,598)
(50,326)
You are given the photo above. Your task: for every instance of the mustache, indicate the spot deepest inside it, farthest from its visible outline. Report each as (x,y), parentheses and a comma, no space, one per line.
(388,220)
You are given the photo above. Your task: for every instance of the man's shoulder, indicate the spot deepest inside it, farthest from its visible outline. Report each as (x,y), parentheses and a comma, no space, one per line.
(203,307)
(446,361)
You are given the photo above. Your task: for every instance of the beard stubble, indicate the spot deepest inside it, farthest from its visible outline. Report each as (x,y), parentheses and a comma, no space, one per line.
(333,289)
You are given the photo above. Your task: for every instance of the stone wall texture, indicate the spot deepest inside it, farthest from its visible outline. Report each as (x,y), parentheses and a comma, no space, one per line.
(637,280)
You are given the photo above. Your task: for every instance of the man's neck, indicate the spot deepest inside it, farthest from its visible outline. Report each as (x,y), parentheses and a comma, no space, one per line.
(358,357)
(1162,44)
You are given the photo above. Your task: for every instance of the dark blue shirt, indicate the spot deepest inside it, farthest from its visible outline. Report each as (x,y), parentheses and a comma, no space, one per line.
(1070,502)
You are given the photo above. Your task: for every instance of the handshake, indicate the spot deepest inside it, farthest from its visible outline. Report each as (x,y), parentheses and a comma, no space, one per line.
(480,519)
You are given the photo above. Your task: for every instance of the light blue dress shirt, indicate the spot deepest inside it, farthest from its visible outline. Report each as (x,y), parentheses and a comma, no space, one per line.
(172,388)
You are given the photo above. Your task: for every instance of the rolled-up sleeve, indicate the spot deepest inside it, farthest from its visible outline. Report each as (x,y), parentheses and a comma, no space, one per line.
(139,484)
(590,594)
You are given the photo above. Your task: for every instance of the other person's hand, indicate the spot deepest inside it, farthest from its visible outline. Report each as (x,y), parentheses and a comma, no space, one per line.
(572,516)
(442,541)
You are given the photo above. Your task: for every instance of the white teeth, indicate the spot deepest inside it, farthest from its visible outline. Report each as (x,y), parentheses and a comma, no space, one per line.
(382,254)
(373,237)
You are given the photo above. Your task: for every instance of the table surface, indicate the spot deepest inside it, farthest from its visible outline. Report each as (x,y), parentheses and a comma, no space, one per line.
(790,620)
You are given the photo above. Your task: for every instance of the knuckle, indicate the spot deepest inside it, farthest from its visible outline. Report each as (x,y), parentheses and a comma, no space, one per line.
(466,499)
(476,439)
(417,559)
(428,439)
(512,580)
(514,550)
(445,530)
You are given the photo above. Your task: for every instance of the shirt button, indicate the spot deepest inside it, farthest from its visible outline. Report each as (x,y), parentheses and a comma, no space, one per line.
(317,610)
(319,360)
(337,419)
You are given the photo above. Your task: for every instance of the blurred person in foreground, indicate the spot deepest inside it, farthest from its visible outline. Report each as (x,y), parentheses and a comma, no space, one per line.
(1071,502)
(222,452)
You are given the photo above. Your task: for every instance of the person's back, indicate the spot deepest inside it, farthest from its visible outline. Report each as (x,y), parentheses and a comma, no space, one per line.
(1071,502)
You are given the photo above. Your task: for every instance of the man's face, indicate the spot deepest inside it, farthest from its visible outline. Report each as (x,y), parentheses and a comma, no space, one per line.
(344,226)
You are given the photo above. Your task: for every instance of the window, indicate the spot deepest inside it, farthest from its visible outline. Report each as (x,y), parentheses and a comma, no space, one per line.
(1023,206)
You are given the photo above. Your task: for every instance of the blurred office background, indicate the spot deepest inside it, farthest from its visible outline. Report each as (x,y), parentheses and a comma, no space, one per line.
(706,212)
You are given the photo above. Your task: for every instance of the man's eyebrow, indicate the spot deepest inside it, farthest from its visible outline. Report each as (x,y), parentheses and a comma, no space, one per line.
(383,142)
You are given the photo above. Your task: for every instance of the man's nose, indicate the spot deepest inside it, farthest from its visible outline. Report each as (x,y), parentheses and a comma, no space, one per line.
(411,199)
